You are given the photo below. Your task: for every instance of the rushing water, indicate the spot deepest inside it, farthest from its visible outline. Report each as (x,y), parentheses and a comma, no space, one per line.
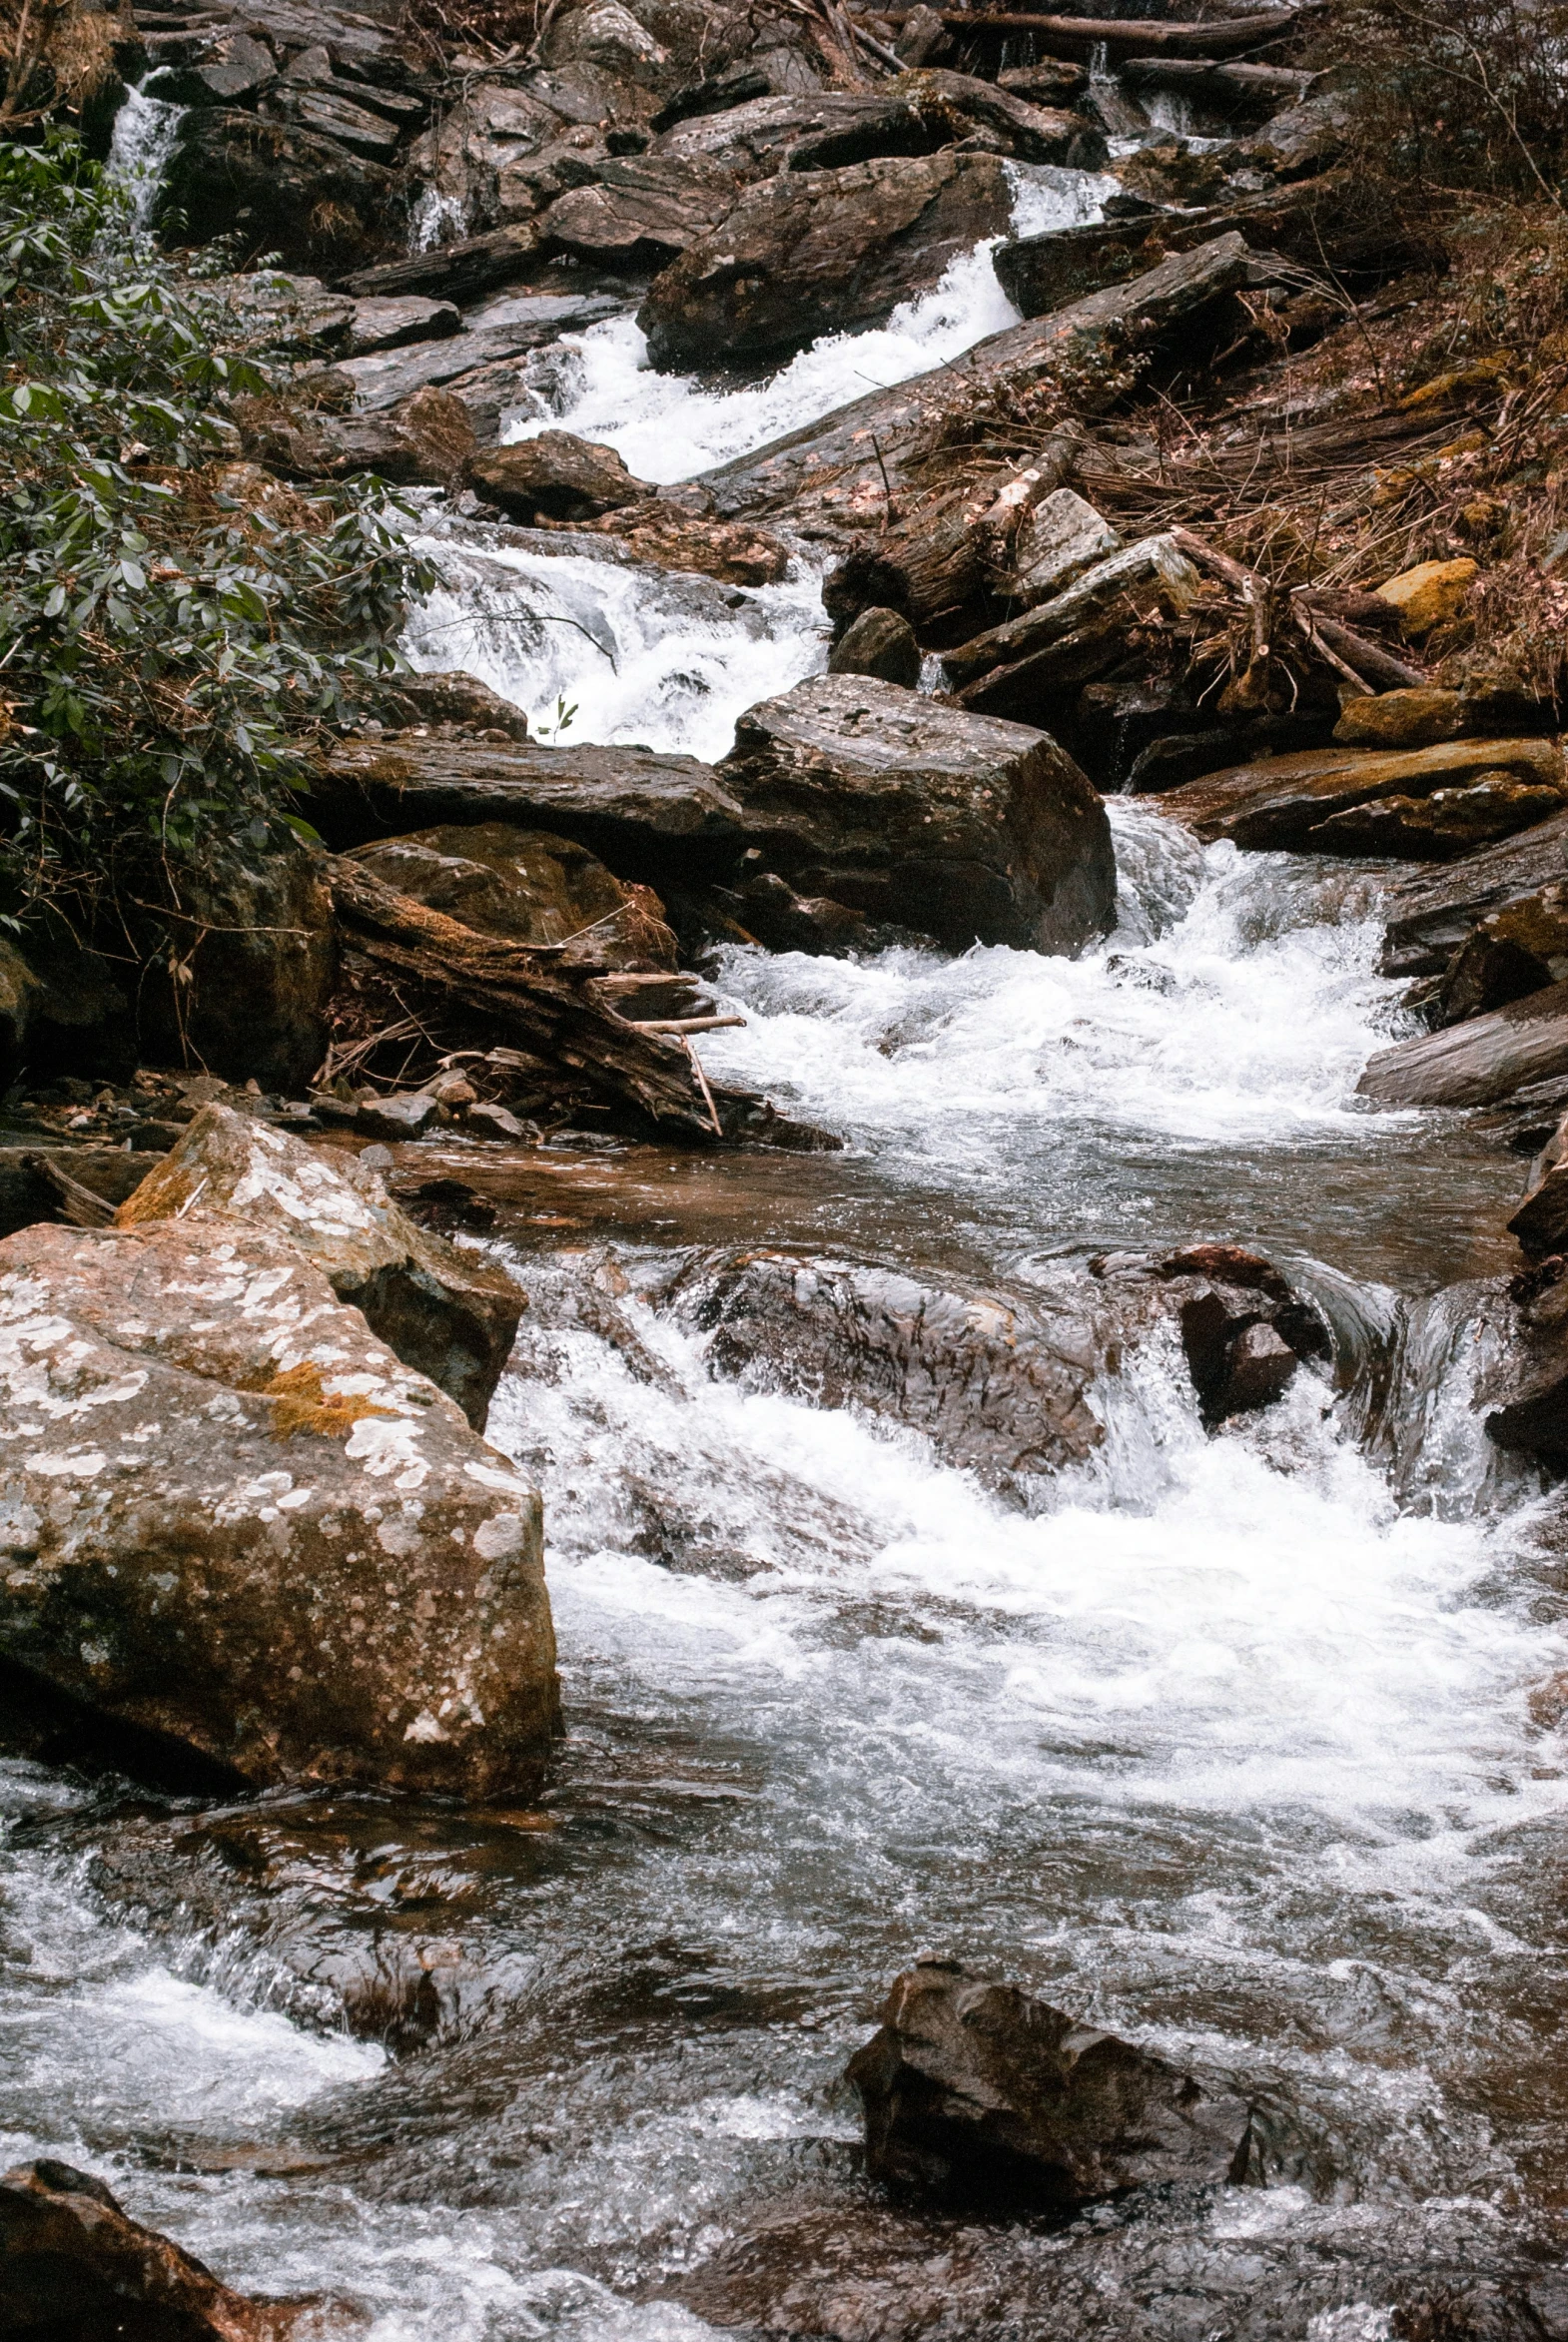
(1226,1745)
(145,132)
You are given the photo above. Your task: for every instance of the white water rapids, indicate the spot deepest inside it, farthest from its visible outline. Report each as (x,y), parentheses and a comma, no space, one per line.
(1222,1747)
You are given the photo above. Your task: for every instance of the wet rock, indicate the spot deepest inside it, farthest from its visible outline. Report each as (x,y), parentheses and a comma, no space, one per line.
(777,917)
(917,114)
(880,644)
(234,67)
(236,1523)
(1170,172)
(1075,635)
(1541,1221)
(276,187)
(449,1314)
(658,534)
(920,816)
(1302,140)
(1525,1385)
(1478,1062)
(646,814)
(472,357)
(73,2263)
(1439,828)
(816,251)
(1428,595)
(458,271)
(979,2095)
(448,696)
(554,476)
(1287,802)
(527,886)
(642,212)
(1405,719)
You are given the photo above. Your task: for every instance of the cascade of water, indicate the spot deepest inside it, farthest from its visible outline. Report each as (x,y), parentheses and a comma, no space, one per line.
(145,132)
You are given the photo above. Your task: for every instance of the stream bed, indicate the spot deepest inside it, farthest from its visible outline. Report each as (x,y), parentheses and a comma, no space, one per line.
(1236,1746)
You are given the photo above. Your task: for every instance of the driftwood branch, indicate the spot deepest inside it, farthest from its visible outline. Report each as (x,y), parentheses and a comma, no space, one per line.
(533,999)
(78,1203)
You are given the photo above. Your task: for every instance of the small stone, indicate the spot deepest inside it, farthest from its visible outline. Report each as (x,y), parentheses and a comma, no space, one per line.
(881,644)
(403,1116)
(1057,541)
(1430,592)
(453,1090)
(493,1122)
(376,1158)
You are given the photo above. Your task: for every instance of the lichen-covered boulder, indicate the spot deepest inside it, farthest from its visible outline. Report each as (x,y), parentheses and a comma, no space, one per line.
(233,1521)
(451,1314)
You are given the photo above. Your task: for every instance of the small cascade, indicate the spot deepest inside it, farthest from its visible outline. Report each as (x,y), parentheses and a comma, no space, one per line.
(145,135)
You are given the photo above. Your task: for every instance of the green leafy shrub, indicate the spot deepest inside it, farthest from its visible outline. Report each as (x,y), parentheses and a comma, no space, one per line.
(177,630)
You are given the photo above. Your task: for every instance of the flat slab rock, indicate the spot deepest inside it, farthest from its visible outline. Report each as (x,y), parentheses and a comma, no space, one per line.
(236,1525)
(638,809)
(990,2100)
(1478,1062)
(451,1315)
(1290,803)
(958,826)
(1432,914)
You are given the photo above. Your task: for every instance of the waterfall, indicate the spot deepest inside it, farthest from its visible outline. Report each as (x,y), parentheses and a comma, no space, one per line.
(145,134)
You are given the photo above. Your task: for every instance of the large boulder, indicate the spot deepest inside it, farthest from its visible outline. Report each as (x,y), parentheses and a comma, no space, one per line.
(74,2265)
(554,476)
(277,187)
(527,886)
(1298,803)
(999,1383)
(990,2100)
(924,817)
(919,113)
(449,1314)
(818,251)
(240,1531)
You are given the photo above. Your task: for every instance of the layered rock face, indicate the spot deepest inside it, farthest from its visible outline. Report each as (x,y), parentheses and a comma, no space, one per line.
(979,2095)
(236,1525)
(447,1313)
(817,251)
(961,827)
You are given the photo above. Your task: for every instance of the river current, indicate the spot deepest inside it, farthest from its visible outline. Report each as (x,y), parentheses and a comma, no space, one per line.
(1237,1746)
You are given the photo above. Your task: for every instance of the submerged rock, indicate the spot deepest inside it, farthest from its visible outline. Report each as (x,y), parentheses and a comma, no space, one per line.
(449,1314)
(925,817)
(980,2096)
(238,1530)
(74,2266)
(999,1383)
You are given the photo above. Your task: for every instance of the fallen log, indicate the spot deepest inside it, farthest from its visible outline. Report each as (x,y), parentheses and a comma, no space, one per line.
(531,999)
(850,466)
(1079,37)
